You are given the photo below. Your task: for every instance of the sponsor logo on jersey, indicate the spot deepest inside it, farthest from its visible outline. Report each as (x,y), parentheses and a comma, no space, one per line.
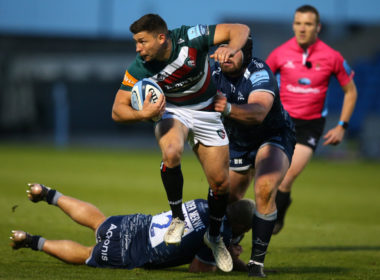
(298,89)
(180,41)
(109,234)
(304,81)
(190,62)
(240,97)
(194,216)
(221,133)
(259,77)
(129,80)
(233,88)
(258,64)
(196,31)
(289,64)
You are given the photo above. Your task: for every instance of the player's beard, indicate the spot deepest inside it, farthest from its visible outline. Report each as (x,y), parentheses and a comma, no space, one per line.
(232,70)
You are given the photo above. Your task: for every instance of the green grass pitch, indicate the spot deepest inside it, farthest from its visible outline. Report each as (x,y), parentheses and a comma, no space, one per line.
(332,230)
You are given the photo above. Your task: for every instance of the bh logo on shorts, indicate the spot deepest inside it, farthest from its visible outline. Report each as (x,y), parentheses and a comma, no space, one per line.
(221,133)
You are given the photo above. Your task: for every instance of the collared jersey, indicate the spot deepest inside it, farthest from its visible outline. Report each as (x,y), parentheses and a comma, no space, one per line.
(257,77)
(185,78)
(304,76)
(132,241)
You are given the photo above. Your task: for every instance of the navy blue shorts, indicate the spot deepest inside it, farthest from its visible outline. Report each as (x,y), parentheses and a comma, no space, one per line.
(108,250)
(243,159)
(122,242)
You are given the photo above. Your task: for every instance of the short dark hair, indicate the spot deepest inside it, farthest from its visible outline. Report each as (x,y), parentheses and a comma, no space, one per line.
(241,212)
(247,52)
(151,23)
(309,9)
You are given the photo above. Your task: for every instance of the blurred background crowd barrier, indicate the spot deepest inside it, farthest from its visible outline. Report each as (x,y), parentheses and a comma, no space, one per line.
(59,89)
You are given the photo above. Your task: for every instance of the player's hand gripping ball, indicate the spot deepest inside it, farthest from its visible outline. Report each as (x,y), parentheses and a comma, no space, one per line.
(141,89)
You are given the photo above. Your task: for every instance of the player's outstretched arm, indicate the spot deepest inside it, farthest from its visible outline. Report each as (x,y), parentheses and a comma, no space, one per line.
(235,35)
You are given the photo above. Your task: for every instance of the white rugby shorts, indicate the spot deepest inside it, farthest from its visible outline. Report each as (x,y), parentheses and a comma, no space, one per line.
(204,127)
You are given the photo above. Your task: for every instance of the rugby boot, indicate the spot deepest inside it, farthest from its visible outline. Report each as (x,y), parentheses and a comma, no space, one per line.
(20,239)
(175,231)
(37,192)
(221,255)
(256,269)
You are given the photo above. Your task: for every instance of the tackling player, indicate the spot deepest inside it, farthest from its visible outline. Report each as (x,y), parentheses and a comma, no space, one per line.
(262,140)
(305,65)
(130,241)
(178,61)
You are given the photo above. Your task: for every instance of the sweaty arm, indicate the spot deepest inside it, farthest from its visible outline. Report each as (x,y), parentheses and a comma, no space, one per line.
(254,112)
(335,135)
(122,110)
(234,34)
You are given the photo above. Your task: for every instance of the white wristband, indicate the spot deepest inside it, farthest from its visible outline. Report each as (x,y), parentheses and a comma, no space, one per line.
(227,110)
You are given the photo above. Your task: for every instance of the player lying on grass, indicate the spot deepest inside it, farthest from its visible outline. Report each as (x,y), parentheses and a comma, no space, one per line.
(130,241)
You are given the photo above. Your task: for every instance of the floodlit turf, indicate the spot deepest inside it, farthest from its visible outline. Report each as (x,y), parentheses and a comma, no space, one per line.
(332,230)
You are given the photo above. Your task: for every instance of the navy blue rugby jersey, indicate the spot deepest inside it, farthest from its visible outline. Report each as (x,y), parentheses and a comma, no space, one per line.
(257,77)
(197,220)
(132,241)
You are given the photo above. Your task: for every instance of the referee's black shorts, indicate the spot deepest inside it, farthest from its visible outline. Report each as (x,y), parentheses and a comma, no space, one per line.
(308,132)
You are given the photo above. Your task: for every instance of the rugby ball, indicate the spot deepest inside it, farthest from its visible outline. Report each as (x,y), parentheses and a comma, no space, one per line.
(141,89)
